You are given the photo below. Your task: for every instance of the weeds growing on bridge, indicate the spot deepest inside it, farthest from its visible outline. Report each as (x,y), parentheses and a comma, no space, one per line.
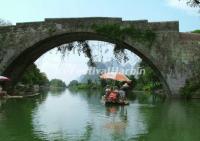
(84,47)
(192,85)
(81,46)
(114,32)
(196,31)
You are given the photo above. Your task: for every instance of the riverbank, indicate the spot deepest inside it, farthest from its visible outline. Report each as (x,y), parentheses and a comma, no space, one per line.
(26,91)
(20,96)
(83,86)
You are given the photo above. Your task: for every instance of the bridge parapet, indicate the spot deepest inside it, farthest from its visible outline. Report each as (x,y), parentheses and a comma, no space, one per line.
(88,22)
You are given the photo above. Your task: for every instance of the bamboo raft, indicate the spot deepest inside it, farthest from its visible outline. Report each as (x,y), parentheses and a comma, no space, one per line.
(20,96)
(107,103)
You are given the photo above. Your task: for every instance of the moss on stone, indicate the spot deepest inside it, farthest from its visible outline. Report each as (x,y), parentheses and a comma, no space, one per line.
(51,30)
(115,31)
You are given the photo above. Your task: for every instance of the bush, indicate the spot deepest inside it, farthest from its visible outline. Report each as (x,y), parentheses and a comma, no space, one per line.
(192,86)
(143,97)
(33,76)
(57,83)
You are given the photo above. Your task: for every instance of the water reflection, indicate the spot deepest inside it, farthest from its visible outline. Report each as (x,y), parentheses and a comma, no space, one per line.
(80,116)
(119,122)
(173,120)
(115,111)
(62,116)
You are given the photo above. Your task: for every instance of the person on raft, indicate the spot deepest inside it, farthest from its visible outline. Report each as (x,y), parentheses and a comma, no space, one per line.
(116,94)
(107,91)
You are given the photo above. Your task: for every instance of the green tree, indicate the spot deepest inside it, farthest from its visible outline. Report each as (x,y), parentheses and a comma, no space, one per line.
(133,81)
(57,83)
(33,76)
(103,82)
(4,23)
(149,80)
(192,85)
(196,31)
(73,83)
(89,81)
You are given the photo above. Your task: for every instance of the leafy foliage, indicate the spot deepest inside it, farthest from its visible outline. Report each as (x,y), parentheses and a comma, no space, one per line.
(73,83)
(33,76)
(149,80)
(115,32)
(192,85)
(193,3)
(196,31)
(57,83)
(190,88)
(120,54)
(4,23)
(81,47)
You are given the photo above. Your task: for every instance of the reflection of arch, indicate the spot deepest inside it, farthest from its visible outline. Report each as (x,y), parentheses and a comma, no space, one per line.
(18,65)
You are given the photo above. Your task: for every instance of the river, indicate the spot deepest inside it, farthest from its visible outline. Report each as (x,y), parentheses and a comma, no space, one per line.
(80,116)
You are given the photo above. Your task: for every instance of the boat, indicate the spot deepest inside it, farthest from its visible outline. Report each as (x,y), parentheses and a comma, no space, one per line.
(113,100)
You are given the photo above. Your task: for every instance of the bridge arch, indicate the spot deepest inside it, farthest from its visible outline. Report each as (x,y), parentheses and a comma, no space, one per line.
(173,55)
(21,61)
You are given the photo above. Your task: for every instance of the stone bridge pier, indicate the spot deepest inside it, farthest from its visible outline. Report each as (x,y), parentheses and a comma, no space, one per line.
(174,56)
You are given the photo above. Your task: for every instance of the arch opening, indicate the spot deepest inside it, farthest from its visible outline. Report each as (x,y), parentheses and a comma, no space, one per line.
(18,65)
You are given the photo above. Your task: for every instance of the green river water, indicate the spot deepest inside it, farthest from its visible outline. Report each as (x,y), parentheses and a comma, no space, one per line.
(80,116)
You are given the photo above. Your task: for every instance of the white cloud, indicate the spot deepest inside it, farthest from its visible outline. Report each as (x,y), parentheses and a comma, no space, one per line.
(66,70)
(74,65)
(182,5)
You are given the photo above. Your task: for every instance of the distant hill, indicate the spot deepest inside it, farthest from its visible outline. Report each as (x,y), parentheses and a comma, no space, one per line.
(84,78)
(113,65)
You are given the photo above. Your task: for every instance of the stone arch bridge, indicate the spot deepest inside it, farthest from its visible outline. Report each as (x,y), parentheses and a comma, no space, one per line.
(172,55)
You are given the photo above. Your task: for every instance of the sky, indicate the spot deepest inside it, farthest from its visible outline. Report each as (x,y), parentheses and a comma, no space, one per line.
(151,10)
